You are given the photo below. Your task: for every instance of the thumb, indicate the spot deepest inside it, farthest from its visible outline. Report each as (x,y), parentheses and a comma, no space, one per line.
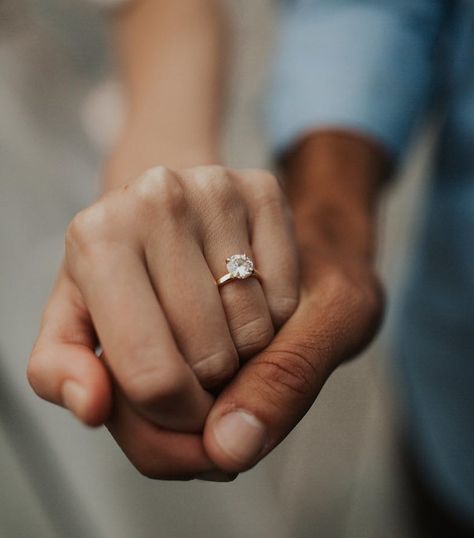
(271,393)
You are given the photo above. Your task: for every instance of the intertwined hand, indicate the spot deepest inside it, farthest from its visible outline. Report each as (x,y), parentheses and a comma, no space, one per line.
(140,279)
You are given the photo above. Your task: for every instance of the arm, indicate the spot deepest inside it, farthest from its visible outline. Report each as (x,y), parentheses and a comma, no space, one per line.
(364,66)
(146,35)
(171,61)
(141,263)
(351,79)
(334,182)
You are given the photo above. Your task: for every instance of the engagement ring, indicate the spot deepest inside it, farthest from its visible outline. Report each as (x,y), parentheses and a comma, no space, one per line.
(240,267)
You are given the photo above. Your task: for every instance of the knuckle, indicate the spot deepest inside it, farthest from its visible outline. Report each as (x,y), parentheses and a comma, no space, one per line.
(159,189)
(267,181)
(283,307)
(375,299)
(215,190)
(217,368)
(357,306)
(87,227)
(265,184)
(215,184)
(340,287)
(214,174)
(368,300)
(365,297)
(149,387)
(253,335)
(288,370)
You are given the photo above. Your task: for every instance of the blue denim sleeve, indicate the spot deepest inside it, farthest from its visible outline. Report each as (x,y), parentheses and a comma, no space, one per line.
(363,65)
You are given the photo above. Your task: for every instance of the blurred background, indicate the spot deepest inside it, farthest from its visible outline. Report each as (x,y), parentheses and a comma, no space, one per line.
(335,477)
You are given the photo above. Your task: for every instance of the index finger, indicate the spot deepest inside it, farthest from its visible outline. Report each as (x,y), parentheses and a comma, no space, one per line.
(137,342)
(63,368)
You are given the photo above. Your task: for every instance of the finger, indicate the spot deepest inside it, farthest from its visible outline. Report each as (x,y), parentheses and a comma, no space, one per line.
(225,233)
(217,476)
(246,310)
(266,399)
(134,334)
(190,298)
(63,367)
(275,389)
(157,453)
(333,322)
(273,242)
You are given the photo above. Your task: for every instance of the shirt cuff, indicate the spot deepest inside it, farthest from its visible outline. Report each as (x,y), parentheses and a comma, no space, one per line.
(357,67)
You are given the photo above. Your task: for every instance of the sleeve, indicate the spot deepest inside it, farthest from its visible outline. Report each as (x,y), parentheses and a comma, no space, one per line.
(363,65)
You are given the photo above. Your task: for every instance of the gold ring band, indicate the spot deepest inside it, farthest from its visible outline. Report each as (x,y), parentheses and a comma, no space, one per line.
(229,277)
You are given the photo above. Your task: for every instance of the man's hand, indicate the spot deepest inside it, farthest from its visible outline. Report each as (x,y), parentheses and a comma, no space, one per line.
(338,314)
(333,183)
(339,311)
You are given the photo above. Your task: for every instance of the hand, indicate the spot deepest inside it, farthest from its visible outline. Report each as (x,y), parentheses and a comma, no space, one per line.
(334,179)
(339,312)
(139,277)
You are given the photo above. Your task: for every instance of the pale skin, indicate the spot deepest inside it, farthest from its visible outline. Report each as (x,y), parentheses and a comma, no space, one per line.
(169,335)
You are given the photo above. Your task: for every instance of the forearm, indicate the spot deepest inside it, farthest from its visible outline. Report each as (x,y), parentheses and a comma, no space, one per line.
(334,181)
(170,57)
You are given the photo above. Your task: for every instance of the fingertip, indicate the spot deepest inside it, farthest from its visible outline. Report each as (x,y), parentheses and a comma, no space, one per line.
(235,441)
(217,476)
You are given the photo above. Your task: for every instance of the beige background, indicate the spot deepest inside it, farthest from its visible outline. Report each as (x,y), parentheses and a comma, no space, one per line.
(335,477)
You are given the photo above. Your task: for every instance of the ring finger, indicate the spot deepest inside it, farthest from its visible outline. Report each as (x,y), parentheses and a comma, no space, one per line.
(244,302)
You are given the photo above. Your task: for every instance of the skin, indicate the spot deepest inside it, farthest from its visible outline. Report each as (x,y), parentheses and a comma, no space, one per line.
(334,180)
(166,336)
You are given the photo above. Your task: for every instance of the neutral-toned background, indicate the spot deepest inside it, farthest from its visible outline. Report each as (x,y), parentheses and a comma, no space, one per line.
(335,476)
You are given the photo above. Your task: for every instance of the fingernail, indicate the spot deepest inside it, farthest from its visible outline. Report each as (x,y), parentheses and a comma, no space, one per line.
(74,397)
(216,476)
(241,436)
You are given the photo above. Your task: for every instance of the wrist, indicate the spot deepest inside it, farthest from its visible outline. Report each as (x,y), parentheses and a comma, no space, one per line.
(136,152)
(334,180)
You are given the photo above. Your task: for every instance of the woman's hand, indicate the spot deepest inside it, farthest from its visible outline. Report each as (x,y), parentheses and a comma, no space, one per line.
(140,279)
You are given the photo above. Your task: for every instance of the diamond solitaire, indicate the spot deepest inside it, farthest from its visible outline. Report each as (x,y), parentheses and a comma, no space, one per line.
(240,267)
